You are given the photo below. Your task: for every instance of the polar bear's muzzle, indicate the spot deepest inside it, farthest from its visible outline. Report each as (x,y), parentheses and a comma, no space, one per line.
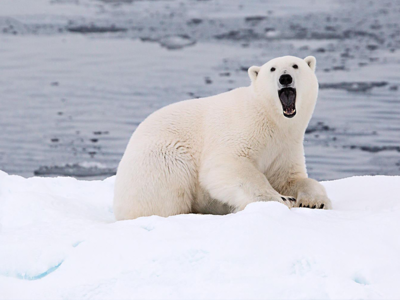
(287,96)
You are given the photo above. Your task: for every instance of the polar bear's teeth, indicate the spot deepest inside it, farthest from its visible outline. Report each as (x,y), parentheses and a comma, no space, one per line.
(290,111)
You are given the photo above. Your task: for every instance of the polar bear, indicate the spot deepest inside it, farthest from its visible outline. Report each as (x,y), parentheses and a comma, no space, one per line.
(217,154)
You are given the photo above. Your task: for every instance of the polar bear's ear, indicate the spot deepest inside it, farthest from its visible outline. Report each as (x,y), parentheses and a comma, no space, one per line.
(253,72)
(311,62)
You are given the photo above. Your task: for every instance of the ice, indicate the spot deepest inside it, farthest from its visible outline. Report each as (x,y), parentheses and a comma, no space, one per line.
(59,239)
(84,169)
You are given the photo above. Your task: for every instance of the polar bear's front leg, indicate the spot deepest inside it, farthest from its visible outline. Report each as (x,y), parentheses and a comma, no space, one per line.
(309,193)
(237,182)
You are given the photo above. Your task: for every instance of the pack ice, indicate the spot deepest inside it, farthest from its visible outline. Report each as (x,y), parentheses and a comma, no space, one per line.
(59,240)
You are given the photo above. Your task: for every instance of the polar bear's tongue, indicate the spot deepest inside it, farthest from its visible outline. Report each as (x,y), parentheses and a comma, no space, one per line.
(287,96)
(289,110)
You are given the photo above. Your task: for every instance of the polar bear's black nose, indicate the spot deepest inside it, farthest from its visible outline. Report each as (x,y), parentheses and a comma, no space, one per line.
(285,79)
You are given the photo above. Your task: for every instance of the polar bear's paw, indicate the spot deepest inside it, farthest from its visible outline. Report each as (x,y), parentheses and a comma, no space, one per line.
(317,202)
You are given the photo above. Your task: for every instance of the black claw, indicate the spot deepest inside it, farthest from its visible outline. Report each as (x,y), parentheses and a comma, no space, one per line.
(322,205)
(292,199)
(308,206)
(314,206)
(283,198)
(301,204)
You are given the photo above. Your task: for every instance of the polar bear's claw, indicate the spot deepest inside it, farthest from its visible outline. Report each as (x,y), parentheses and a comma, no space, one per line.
(317,203)
(286,200)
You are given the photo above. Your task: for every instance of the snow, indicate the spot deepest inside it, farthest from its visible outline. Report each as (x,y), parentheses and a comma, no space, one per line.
(59,240)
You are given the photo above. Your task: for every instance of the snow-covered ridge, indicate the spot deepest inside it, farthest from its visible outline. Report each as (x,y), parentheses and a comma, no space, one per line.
(58,239)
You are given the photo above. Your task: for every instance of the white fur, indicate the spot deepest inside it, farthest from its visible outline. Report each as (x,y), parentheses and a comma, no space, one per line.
(218,154)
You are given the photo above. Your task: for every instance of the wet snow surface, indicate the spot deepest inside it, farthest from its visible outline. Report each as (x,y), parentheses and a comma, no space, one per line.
(59,240)
(77,77)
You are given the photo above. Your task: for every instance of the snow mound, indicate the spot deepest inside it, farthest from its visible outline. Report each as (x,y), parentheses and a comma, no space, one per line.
(59,240)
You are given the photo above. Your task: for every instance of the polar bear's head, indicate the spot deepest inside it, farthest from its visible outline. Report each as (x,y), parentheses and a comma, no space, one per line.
(287,84)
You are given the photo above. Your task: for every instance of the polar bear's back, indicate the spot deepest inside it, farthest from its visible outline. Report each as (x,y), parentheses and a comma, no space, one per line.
(181,120)
(191,121)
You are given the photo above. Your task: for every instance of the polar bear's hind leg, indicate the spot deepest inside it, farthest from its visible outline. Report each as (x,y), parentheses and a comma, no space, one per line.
(154,183)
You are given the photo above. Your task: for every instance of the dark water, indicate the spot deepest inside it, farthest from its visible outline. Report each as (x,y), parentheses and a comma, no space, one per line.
(77,78)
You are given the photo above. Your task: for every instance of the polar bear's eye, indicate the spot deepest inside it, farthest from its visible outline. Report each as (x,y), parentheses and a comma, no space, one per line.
(295,66)
(273,69)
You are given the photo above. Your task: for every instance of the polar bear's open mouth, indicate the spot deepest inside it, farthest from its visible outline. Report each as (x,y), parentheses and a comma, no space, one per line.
(288,100)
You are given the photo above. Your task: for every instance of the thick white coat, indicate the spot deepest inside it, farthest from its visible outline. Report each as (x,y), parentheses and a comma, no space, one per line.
(218,154)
